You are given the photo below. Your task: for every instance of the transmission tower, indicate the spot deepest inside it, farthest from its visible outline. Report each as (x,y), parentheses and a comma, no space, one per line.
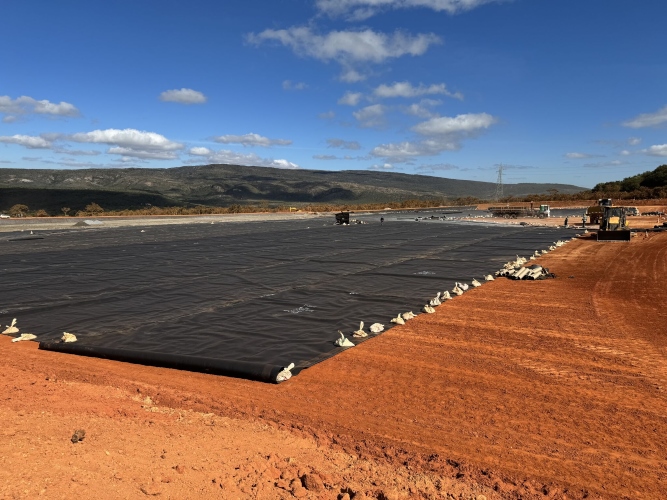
(499,183)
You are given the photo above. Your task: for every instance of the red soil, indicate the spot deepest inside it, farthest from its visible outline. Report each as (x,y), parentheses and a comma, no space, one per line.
(545,389)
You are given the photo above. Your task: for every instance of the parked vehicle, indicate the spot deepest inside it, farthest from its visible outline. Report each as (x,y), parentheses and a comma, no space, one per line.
(3,216)
(512,212)
(631,211)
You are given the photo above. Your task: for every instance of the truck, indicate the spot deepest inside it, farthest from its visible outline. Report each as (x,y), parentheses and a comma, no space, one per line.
(514,211)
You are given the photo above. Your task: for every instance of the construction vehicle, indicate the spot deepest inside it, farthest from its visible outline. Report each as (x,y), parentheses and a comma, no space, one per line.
(343,218)
(613,224)
(594,213)
(512,212)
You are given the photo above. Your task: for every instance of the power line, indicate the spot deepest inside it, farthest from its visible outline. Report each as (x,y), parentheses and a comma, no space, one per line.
(499,183)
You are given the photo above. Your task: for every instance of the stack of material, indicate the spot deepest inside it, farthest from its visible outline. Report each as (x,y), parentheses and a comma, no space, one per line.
(533,272)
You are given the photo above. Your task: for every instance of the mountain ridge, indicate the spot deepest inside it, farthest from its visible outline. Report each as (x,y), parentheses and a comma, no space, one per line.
(223,185)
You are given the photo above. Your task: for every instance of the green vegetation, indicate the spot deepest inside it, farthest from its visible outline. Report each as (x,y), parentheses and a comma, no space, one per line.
(649,185)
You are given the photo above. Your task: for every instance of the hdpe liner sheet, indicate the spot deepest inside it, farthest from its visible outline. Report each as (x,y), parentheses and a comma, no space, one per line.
(240,299)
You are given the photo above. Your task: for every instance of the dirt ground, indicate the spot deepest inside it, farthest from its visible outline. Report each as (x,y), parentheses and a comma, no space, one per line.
(540,389)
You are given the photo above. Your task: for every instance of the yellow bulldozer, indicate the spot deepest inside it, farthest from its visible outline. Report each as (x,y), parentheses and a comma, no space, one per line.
(613,224)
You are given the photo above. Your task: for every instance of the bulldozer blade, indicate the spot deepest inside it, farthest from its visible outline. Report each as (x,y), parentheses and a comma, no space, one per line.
(620,235)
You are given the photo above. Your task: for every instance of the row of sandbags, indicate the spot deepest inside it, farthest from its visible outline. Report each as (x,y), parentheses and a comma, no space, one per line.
(533,272)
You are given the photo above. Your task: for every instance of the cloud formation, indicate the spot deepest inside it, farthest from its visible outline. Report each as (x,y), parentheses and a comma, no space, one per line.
(371,116)
(341,144)
(348,47)
(405,89)
(24,105)
(132,143)
(227,157)
(580,156)
(439,134)
(648,119)
(657,150)
(28,141)
(422,109)
(290,85)
(603,164)
(350,98)
(183,96)
(465,125)
(358,10)
(76,152)
(251,140)
(327,115)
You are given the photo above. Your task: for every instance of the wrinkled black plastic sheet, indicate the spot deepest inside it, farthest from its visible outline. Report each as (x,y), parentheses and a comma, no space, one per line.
(241,299)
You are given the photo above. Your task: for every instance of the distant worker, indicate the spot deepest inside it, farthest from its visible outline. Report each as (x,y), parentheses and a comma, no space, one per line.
(381,220)
(583,220)
(567,219)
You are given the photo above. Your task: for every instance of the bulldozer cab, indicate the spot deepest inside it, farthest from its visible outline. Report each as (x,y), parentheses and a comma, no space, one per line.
(613,225)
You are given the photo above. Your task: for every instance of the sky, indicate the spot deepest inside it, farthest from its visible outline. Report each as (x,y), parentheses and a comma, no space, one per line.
(566,91)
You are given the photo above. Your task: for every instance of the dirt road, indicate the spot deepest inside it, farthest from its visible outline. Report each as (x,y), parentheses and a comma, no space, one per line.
(545,389)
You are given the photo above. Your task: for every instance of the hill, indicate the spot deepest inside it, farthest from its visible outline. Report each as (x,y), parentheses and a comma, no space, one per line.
(650,184)
(223,185)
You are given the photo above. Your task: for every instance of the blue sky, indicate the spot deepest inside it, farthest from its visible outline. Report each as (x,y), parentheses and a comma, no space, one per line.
(556,91)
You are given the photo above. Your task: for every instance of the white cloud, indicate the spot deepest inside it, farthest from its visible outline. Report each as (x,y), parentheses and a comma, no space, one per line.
(371,116)
(28,141)
(441,134)
(657,150)
(348,48)
(462,124)
(358,10)
(625,152)
(131,143)
(648,119)
(613,163)
(25,105)
(405,89)
(342,158)
(350,75)
(350,98)
(183,96)
(199,151)
(127,138)
(143,154)
(580,156)
(9,119)
(404,151)
(634,141)
(290,85)
(340,143)
(251,140)
(421,109)
(227,157)
(76,152)
(327,115)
